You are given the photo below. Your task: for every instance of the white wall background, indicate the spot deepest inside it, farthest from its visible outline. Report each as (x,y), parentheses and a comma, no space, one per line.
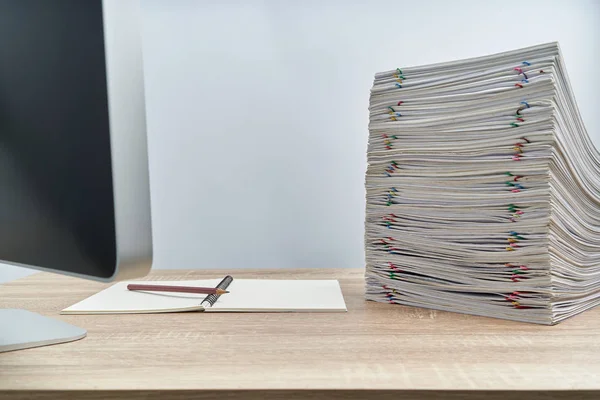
(257,113)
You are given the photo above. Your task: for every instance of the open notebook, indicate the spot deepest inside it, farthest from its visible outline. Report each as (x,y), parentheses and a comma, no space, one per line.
(245,295)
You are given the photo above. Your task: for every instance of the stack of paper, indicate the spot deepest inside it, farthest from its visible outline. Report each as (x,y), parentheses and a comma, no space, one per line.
(483,189)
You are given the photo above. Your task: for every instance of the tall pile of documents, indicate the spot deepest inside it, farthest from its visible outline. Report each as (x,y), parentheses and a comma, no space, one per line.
(483,189)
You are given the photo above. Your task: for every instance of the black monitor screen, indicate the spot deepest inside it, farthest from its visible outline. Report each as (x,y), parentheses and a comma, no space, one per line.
(56,194)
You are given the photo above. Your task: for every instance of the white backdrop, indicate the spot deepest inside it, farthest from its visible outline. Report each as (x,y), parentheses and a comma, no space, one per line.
(257,113)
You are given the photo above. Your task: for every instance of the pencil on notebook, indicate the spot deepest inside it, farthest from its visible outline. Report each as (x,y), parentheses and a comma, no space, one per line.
(178,289)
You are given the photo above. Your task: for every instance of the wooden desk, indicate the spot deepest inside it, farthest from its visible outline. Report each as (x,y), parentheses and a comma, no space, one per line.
(374,350)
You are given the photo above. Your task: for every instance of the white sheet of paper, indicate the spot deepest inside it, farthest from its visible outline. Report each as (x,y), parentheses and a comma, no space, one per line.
(246,295)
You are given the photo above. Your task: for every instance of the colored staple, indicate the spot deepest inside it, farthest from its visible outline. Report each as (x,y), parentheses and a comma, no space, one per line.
(520,71)
(513,296)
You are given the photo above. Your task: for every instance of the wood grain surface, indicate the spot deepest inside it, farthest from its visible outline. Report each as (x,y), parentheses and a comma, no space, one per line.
(375,350)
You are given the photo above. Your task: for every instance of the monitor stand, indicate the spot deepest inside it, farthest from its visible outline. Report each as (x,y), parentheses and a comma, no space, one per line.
(22,329)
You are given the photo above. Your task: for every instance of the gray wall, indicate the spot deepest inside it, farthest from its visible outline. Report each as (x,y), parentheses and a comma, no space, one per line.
(257,113)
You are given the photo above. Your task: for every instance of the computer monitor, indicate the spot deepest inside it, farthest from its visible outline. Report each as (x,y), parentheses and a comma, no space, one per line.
(74,184)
